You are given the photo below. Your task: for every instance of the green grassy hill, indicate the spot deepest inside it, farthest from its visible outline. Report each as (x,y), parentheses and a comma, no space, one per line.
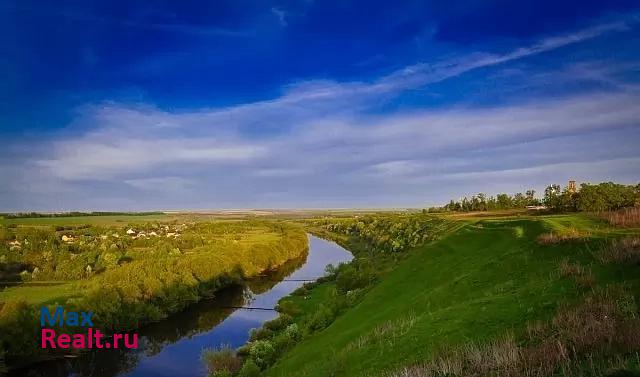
(482,281)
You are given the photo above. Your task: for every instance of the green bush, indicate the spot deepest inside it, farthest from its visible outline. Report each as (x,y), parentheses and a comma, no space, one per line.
(281,343)
(19,327)
(262,352)
(293,332)
(279,323)
(302,291)
(288,307)
(260,334)
(350,277)
(321,318)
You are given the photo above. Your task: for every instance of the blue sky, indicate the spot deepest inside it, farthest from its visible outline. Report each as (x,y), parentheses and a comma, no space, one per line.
(137,105)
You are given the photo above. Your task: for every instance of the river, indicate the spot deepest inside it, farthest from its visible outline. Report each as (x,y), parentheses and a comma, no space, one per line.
(172,346)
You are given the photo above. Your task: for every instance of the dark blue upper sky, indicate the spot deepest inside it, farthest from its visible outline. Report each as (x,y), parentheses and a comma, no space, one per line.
(252,73)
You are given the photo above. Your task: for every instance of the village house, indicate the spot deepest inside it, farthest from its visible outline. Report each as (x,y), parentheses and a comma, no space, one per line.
(68,238)
(131,231)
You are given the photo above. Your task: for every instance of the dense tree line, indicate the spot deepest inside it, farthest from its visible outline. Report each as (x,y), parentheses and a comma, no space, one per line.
(482,202)
(388,233)
(601,197)
(606,196)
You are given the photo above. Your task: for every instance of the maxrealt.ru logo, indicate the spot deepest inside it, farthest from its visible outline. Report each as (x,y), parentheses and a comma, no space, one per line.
(93,338)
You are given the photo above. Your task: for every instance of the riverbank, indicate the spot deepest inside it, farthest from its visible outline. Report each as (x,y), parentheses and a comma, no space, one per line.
(154,279)
(312,308)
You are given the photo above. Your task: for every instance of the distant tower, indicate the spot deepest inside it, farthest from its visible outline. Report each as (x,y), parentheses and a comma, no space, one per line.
(572,187)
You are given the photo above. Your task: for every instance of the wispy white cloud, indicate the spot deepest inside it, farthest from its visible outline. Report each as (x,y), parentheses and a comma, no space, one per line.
(320,94)
(329,148)
(400,147)
(281,15)
(95,158)
(161,184)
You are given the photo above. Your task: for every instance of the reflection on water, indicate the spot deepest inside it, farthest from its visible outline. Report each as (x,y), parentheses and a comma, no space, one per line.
(172,347)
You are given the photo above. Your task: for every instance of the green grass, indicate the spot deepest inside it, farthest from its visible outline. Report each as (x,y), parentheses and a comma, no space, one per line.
(308,302)
(483,280)
(36,294)
(586,223)
(81,220)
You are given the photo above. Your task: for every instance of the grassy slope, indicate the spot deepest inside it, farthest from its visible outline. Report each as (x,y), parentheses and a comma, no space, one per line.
(485,279)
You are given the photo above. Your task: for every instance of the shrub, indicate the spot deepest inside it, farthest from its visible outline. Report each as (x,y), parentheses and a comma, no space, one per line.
(321,318)
(293,332)
(355,275)
(262,353)
(279,323)
(244,350)
(259,334)
(288,307)
(302,291)
(223,359)
(18,328)
(281,343)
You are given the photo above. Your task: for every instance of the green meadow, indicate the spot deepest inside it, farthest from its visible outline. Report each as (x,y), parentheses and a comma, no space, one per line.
(483,280)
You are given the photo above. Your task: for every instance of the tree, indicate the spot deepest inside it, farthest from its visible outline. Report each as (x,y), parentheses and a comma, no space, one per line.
(504,201)
(531,197)
(519,200)
(606,196)
(552,197)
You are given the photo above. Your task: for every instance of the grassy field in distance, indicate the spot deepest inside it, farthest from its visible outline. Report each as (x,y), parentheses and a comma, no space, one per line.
(89,220)
(40,294)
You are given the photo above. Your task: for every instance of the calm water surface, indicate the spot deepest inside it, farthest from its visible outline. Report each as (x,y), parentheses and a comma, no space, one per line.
(172,347)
